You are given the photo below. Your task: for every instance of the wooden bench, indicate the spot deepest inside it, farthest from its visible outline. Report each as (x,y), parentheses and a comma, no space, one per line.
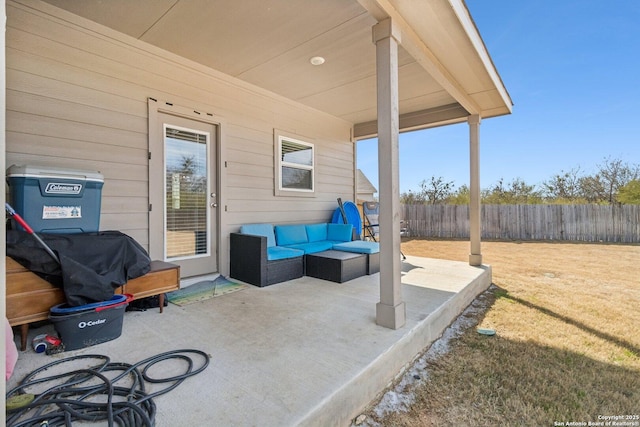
(29,297)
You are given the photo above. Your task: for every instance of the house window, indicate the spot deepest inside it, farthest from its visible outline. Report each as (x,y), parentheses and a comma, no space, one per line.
(295,166)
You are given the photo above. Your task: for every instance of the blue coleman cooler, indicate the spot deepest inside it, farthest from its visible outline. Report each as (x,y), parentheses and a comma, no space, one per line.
(86,325)
(56,200)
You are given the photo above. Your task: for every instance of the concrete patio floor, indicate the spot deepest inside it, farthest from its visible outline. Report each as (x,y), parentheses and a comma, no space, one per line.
(303,352)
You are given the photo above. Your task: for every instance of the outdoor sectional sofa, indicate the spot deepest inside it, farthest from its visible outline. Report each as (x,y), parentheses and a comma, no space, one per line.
(263,254)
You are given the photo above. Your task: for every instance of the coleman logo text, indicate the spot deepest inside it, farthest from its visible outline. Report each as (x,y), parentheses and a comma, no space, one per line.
(83,325)
(62,188)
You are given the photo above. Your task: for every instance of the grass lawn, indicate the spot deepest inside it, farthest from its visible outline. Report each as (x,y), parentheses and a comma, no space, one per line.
(567,348)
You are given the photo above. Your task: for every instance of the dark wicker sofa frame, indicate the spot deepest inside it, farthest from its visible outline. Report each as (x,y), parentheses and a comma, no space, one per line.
(249,262)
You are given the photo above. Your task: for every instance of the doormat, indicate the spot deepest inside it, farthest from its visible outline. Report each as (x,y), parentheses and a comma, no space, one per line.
(204,290)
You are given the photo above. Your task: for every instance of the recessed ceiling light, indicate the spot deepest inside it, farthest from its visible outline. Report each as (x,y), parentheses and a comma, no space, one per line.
(317,60)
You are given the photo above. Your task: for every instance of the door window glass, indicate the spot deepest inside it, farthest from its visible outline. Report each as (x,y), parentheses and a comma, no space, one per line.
(186,180)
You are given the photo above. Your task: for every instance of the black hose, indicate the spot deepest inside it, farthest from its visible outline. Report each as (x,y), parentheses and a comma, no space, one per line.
(88,395)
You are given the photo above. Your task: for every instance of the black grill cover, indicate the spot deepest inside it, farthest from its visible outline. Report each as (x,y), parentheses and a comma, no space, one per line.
(92,265)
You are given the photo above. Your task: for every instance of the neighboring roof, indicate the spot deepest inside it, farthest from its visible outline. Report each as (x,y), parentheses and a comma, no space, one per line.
(364,186)
(445,72)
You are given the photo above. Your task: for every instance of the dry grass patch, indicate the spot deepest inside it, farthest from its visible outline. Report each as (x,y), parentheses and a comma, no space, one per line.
(567,346)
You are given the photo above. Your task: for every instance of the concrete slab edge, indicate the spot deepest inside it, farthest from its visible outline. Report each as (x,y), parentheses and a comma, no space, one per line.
(346,403)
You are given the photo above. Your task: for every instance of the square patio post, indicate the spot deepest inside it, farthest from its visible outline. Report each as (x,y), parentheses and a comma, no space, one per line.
(390,311)
(475,223)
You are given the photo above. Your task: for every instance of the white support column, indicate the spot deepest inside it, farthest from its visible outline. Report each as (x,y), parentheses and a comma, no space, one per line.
(475,223)
(390,311)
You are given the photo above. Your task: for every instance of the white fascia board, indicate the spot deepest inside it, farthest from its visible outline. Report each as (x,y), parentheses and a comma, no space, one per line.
(470,28)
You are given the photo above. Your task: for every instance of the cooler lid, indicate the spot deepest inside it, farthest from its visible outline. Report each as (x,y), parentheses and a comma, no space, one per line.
(35,171)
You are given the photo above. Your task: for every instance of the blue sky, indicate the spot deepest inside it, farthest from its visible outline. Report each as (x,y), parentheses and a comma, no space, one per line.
(572,69)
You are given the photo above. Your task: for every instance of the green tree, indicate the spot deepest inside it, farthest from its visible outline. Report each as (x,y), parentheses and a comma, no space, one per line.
(432,192)
(411,198)
(516,192)
(437,190)
(462,196)
(612,175)
(629,194)
(563,187)
(593,189)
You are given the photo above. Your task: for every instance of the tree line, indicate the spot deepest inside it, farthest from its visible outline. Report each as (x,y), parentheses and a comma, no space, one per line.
(615,182)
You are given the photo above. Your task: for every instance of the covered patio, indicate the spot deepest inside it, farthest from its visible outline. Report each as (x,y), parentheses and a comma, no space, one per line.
(355,69)
(303,352)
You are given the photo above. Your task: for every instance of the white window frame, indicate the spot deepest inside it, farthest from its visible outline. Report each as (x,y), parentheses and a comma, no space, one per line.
(280,163)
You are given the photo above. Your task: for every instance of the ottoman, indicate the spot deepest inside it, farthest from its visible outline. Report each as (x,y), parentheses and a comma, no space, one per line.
(336,266)
(371,249)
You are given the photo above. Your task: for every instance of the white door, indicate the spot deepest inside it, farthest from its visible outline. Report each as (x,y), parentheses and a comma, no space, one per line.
(188,176)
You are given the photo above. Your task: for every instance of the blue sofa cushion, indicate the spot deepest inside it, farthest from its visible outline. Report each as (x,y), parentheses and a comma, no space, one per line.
(339,232)
(313,247)
(260,230)
(290,234)
(358,246)
(316,232)
(278,252)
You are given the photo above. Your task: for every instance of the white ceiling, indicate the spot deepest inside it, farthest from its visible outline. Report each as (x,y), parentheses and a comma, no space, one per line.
(445,72)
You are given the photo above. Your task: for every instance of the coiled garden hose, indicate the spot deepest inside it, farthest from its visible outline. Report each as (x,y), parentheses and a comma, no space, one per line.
(95,394)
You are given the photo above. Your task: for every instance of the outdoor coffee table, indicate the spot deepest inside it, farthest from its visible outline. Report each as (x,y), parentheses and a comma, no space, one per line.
(336,266)
(371,249)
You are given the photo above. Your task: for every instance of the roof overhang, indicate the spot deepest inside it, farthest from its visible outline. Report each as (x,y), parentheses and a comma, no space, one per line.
(445,71)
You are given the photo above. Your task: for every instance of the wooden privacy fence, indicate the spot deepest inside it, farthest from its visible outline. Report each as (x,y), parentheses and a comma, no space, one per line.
(590,223)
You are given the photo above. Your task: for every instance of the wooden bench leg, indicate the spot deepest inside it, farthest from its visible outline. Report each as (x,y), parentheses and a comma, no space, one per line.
(161,301)
(24,334)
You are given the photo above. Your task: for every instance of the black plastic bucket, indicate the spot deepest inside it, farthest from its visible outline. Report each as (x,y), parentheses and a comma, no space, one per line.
(83,327)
